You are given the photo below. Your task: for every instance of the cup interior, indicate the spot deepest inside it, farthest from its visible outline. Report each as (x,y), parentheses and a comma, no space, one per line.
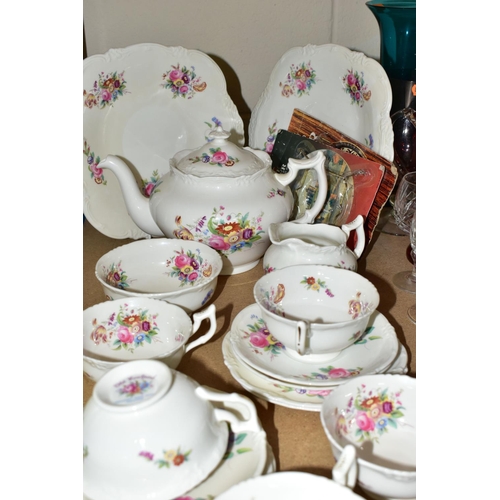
(376,414)
(135,328)
(317,294)
(159,266)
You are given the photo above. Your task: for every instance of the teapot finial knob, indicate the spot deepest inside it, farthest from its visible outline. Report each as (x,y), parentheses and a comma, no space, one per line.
(218,133)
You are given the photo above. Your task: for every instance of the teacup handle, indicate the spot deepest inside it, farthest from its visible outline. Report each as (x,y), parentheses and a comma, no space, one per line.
(301,337)
(316,161)
(345,471)
(198,317)
(356,224)
(247,419)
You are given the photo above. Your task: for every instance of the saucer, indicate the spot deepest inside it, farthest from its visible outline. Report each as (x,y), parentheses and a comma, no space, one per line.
(294,396)
(248,455)
(372,353)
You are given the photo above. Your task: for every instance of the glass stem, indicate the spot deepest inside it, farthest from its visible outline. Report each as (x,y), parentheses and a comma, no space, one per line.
(413,275)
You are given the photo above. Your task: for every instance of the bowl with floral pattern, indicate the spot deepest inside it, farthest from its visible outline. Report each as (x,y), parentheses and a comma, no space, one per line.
(153,432)
(315,311)
(181,272)
(377,415)
(122,330)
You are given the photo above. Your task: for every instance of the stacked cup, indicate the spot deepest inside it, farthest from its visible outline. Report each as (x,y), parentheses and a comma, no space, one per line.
(316,311)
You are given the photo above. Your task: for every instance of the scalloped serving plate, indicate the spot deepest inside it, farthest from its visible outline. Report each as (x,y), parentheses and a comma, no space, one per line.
(144,103)
(345,89)
(373,353)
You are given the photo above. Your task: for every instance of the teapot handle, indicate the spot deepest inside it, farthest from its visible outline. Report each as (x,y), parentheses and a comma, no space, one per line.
(345,471)
(198,317)
(356,224)
(236,409)
(315,160)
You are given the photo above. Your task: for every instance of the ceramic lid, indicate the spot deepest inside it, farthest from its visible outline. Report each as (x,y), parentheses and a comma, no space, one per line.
(219,158)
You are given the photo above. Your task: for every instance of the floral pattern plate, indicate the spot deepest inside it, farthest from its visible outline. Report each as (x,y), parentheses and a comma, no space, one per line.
(308,398)
(254,345)
(144,103)
(345,89)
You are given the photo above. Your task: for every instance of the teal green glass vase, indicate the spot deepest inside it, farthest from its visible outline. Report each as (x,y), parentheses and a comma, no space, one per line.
(397,23)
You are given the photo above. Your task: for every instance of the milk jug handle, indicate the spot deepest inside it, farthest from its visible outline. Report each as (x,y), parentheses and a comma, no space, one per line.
(356,224)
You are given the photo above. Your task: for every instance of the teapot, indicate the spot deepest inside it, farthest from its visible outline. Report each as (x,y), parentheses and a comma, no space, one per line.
(293,244)
(221,195)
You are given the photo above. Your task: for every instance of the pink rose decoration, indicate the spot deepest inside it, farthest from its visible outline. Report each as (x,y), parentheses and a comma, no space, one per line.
(149,189)
(351,80)
(269,147)
(105,95)
(125,335)
(219,157)
(320,392)
(218,243)
(184,89)
(182,260)
(301,85)
(97,171)
(258,340)
(338,373)
(193,276)
(364,422)
(175,74)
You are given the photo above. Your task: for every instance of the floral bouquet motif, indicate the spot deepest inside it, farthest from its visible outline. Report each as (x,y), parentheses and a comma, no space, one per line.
(261,340)
(357,307)
(148,185)
(183,82)
(116,276)
(106,90)
(135,387)
(170,458)
(272,131)
(311,393)
(128,329)
(93,165)
(189,267)
(216,157)
(299,80)
(354,85)
(330,372)
(226,233)
(370,414)
(316,285)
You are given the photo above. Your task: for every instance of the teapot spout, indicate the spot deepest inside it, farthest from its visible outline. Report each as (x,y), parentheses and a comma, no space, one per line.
(137,204)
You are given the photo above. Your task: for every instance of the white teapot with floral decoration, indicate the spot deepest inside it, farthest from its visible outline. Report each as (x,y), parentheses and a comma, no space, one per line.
(221,195)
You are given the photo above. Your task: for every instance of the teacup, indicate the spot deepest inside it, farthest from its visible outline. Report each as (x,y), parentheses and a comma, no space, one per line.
(139,328)
(377,415)
(316,310)
(181,272)
(153,432)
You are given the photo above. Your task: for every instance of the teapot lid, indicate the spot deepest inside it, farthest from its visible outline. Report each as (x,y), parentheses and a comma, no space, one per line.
(220,158)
